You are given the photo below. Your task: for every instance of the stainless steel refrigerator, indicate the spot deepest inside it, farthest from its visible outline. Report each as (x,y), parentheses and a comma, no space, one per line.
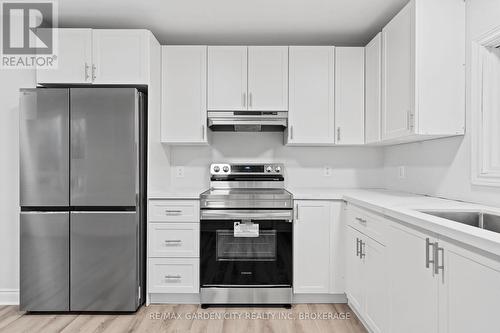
(82,186)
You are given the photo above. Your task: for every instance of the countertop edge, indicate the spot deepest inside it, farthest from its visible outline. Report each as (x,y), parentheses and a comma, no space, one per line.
(406,215)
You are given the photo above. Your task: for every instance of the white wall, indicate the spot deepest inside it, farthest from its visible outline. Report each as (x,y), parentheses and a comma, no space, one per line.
(10,82)
(351,166)
(442,167)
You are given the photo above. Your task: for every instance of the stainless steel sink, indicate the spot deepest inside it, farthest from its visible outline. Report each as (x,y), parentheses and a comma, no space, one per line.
(476,219)
(491,222)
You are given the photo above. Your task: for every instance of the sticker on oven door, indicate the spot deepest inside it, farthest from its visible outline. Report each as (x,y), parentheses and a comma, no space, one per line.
(247,229)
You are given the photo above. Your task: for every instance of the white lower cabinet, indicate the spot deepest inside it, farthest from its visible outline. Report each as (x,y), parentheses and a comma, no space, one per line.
(414,289)
(354,270)
(173,249)
(376,289)
(174,275)
(174,239)
(366,279)
(314,238)
(414,281)
(469,292)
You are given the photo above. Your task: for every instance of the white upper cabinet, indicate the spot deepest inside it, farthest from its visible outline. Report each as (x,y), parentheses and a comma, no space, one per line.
(74,58)
(311,114)
(350,95)
(398,77)
(120,56)
(423,76)
(268,78)
(89,56)
(184,84)
(227,78)
(373,97)
(248,78)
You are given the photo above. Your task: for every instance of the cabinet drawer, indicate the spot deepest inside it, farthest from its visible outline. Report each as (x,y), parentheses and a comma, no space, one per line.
(174,211)
(174,239)
(367,223)
(173,275)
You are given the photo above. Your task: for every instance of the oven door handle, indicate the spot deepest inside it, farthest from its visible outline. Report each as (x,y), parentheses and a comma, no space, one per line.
(222,214)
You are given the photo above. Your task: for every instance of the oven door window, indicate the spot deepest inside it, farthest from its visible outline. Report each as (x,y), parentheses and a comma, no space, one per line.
(262,248)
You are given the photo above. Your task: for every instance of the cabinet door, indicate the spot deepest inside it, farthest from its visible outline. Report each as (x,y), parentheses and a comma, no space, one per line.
(227,78)
(398,74)
(354,270)
(469,294)
(376,286)
(350,95)
(74,58)
(268,78)
(311,101)
(414,289)
(184,84)
(311,239)
(120,56)
(373,81)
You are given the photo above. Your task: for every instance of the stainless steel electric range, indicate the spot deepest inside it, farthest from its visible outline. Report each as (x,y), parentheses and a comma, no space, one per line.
(246,236)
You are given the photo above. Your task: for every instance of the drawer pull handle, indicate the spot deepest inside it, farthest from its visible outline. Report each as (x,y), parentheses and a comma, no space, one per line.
(172,276)
(169,241)
(173,212)
(361,220)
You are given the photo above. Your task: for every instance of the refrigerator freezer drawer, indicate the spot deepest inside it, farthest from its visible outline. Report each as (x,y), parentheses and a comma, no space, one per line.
(44,147)
(104,261)
(44,261)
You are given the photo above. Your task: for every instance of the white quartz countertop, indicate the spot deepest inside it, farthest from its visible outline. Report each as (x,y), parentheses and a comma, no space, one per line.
(406,207)
(181,194)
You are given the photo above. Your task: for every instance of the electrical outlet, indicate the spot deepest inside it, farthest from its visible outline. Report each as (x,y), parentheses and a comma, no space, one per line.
(179,172)
(401,172)
(327,171)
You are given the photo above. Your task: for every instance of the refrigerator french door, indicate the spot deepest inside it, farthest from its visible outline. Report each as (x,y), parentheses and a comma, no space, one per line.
(81,200)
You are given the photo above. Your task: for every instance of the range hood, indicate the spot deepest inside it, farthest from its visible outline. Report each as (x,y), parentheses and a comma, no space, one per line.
(247,121)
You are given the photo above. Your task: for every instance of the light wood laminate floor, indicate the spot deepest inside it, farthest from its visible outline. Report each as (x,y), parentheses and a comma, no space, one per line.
(165,318)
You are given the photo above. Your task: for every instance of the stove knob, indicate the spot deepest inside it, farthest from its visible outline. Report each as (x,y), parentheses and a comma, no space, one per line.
(277,169)
(269,168)
(225,168)
(216,168)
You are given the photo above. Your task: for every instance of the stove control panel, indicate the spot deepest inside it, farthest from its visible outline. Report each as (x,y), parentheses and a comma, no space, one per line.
(246,169)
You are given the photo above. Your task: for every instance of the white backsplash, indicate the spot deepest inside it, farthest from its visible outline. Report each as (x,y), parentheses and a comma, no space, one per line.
(304,166)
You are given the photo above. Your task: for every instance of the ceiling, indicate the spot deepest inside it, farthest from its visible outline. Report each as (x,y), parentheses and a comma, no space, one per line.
(338,22)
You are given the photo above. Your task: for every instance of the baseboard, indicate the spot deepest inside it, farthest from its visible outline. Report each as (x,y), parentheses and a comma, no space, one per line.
(9,296)
(319,298)
(361,319)
(174,298)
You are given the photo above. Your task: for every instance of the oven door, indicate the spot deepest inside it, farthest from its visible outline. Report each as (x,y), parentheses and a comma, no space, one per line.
(246,252)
